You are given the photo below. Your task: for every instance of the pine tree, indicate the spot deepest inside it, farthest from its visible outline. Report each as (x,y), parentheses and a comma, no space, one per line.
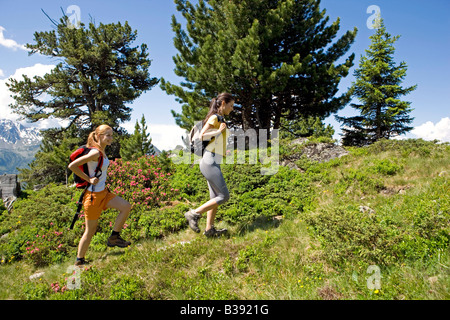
(305,127)
(138,144)
(98,74)
(378,88)
(277,57)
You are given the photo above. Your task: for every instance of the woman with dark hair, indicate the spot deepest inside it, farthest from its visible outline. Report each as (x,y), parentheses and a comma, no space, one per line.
(214,129)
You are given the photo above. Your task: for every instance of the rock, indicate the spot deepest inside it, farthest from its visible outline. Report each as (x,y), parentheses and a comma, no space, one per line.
(38,187)
(323,152)
(433,280)
(36,275)
(291,165)
(8,202)
(9,185)
(391,190)
(368,210)
(299,141)
(181,243)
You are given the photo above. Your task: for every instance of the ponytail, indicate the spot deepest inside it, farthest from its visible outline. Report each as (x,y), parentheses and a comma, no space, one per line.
(93,139)
(216,103)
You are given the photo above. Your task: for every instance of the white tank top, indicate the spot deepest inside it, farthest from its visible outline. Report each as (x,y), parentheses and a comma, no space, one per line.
(92,165)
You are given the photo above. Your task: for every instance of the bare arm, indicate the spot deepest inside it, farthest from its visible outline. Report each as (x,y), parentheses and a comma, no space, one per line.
(207,132)
(74,166)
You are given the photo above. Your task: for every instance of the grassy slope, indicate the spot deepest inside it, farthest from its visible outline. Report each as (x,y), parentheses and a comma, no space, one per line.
(320,253)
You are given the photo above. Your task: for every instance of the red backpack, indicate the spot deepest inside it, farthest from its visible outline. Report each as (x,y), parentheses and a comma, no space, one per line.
(81,151)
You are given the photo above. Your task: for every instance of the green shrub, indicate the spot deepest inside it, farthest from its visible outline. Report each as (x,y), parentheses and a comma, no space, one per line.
(156,223)
(385,167)
(417,229)
(127,288)
(426,218)
(348,234)
(190,182)
(407,148)
(37,227)
(35,290)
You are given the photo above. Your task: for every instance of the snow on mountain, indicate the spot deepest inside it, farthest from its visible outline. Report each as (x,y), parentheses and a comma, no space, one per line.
(14,133)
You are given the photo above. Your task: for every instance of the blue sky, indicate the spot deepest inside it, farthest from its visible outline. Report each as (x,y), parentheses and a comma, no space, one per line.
(424,45)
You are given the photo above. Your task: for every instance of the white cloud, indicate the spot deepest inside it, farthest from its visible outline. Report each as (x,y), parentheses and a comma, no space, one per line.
(5,95)
(164,136)
(129,126)
(430,131)
(9,43)
(2,74)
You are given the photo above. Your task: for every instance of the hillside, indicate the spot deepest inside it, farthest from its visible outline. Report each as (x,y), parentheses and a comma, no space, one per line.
(373,224)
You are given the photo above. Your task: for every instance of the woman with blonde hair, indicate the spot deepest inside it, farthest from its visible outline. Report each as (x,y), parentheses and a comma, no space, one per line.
(97,197)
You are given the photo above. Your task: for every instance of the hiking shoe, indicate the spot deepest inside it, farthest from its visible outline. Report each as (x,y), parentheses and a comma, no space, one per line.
(192,217)
(81,262)
(117,241)
(213,232)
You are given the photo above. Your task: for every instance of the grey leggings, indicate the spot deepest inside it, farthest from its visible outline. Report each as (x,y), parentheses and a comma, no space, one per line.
(211,171)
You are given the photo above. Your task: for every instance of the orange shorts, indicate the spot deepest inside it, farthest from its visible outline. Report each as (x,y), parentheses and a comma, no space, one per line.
(93,209)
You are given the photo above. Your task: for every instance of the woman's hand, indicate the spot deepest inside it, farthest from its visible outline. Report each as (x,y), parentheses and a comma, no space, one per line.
(93,181)
(222,127)
(74,166)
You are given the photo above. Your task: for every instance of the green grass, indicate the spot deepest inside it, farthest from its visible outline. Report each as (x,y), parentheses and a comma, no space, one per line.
(309,239)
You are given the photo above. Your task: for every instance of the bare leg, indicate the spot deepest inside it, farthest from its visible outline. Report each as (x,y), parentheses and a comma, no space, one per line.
(209,205)
(124,208)
(210,218)
(91,228)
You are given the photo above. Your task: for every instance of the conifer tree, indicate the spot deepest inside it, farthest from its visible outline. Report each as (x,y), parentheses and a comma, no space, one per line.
(378,88)
(277,57)
(98,73)
(305,127)
(138,144)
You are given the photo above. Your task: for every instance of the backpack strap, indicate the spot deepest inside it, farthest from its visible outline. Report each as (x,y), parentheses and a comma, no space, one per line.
(98,168)
(219,117)
(80,200)
(99,164)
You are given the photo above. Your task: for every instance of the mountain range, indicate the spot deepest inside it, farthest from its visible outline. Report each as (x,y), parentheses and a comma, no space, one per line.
(18,145)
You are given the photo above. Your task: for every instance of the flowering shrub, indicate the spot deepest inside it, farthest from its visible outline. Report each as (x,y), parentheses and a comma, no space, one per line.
(49,246)
(57,288)
(142,182)
(37,229)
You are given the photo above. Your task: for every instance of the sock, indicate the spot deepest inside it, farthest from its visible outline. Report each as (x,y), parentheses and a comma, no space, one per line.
(115,233)
(80,259)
